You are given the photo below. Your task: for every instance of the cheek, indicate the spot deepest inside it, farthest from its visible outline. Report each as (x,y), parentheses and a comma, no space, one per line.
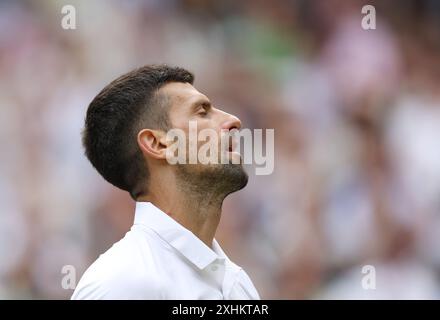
(192,125)
(199,124)
(213,122)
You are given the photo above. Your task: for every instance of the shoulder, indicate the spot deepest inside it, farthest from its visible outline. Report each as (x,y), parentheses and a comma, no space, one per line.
(245,284)
(126,271)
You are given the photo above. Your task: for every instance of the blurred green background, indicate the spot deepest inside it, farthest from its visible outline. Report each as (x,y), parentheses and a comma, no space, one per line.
(356,115)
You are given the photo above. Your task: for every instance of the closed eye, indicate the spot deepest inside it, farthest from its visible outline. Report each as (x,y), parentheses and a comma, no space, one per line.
(204,109)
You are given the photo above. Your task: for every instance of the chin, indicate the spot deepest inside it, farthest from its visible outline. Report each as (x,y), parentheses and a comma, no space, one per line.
(235,175)
(220,178)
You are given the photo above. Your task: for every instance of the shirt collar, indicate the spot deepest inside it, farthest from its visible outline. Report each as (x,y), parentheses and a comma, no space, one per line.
(182,239)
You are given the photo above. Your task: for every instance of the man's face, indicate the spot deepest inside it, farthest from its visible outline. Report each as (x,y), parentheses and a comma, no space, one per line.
(188,108)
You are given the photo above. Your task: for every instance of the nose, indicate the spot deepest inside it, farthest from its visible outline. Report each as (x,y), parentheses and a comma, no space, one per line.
(231,122)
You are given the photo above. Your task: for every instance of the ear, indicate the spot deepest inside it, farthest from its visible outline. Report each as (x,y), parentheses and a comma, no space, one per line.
(152,143)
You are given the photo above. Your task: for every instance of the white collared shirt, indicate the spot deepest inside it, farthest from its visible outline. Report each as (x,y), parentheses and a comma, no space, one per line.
(160,259)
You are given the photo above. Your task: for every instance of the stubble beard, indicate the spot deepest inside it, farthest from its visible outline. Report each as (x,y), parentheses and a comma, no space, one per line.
(210,184)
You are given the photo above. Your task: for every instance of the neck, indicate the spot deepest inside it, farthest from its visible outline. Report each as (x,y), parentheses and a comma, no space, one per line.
(196,211)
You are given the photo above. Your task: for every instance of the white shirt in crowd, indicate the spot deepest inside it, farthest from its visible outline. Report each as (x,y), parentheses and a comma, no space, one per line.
(160,259)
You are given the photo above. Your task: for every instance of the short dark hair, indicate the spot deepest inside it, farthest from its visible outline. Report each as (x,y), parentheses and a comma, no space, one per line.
(116,115)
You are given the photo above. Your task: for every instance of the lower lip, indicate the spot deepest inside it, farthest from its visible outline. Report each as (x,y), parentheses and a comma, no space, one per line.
(234,152)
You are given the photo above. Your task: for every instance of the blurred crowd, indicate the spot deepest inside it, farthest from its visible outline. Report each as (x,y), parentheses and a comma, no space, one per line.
(356,115)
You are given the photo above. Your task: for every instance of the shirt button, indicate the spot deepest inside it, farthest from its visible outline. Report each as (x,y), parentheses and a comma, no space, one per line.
(214,268)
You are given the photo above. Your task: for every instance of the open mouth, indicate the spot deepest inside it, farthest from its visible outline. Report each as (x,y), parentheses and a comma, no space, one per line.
(232,144)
